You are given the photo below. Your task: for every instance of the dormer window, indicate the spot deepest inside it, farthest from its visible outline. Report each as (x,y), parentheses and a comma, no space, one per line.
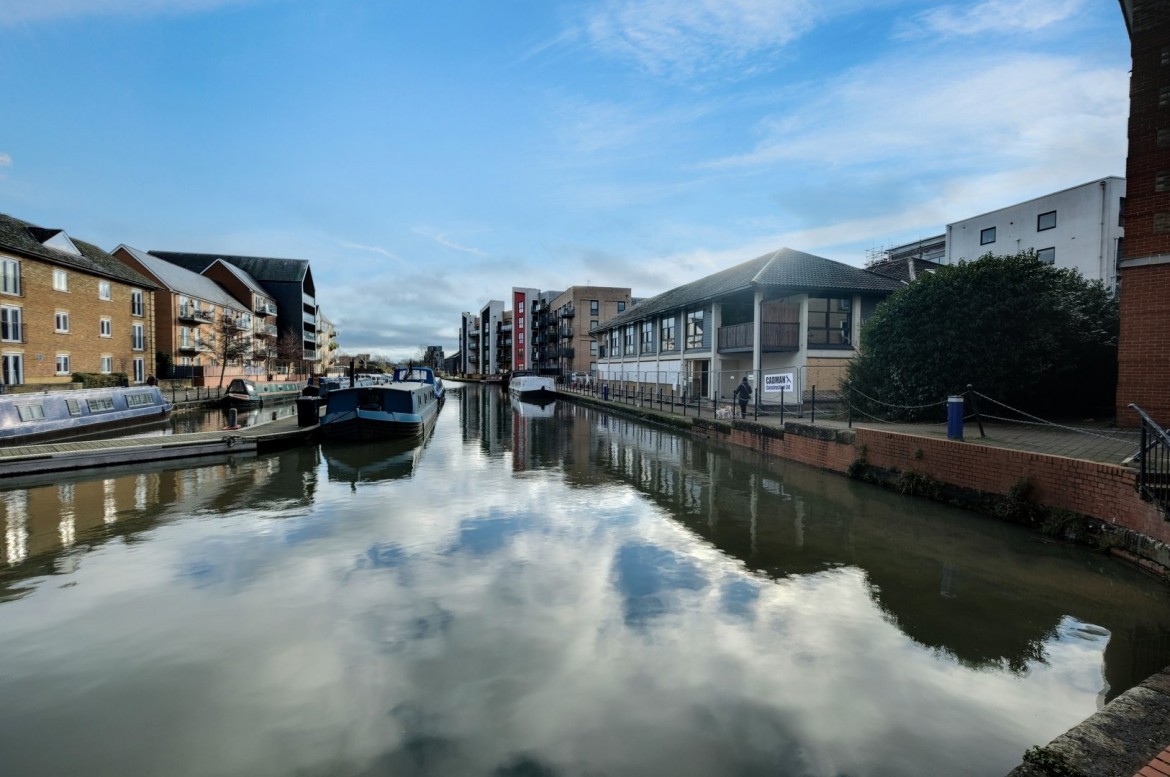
(55,239)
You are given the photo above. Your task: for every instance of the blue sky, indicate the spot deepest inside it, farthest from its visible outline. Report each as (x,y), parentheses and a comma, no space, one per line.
(427,156)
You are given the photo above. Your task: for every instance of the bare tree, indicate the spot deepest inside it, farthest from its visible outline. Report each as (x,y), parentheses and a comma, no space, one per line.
(290,350)
(233,341)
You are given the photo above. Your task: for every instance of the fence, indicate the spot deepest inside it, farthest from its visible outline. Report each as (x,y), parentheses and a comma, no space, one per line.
(800,391)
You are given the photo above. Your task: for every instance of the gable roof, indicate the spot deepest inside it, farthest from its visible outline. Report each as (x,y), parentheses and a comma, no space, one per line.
(783,269)
(21,237)
(185,282)
(263,269)
(243,276)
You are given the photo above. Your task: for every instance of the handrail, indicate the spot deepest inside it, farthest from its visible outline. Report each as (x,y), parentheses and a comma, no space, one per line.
(1153,462)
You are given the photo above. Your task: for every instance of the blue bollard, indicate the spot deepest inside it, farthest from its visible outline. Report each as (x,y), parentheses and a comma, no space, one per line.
(955,418)
(605,392)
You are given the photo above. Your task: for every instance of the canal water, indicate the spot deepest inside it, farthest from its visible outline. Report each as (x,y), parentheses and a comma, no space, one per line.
(541,591)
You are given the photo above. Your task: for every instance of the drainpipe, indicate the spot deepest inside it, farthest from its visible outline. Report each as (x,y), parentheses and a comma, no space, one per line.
(1101,249)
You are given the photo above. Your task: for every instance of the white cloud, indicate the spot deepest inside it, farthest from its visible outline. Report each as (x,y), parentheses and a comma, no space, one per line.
(942,114)
(664,35)
(372,249)
(5,160)
(22,11)
(997,16)
(446,242)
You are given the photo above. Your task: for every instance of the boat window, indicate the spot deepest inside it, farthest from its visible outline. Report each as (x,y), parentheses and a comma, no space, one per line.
(100,404)
(73,406)
(139,400)
(370,400)
(31,412)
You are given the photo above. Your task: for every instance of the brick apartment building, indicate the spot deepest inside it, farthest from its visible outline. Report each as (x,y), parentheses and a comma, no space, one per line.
(1144,271)
(67,306)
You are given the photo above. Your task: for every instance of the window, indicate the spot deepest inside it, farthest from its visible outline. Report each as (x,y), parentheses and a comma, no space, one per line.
(139,400)
(829,321)
(987,236)
(73,406)
(520,307)
(593,324)
(99,404)
(1047,255)
(10,329)
(1046,221)
(12,367)
(30,412)
(137,308)
(63,364)
(60,280)
(140,371)
(666,335)
(138,337)
(9,276)
(629,340)
(107,327)
(104,290)
(594,308)
(621,307)
(647,337)
(593,347)
(614,339)
(62,319)
(695,329)
(107,365)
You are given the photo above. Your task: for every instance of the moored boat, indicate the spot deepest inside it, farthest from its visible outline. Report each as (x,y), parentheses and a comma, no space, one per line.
(532,387)
(406,407)
(58,415)
(242,392)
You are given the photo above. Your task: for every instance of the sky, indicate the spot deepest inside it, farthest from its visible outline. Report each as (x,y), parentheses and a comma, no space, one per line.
(427,156)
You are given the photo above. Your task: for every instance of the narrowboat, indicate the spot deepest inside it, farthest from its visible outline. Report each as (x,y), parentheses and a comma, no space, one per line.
(59,415)
(404,408)
(242,392)
(532,387)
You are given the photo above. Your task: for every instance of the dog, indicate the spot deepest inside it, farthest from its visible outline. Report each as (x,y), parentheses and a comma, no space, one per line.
(726,413)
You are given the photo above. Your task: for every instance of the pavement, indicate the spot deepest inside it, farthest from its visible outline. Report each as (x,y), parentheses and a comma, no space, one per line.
(1090,440)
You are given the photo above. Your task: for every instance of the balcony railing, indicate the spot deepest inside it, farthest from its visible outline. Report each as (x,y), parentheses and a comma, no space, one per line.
(265,309)
(568,312)
(773,337)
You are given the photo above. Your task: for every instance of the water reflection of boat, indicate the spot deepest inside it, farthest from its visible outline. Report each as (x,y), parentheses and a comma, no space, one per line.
(404,408)
(531,408)
(372,462)
(71,414)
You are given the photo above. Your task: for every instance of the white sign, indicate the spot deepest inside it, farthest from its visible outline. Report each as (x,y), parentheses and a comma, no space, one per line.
(777,382)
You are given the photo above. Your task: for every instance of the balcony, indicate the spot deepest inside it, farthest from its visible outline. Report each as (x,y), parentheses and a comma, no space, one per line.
(774,337)
(264,309)
(198,315)
(567,353)
(240,322)
(565,332)
(195,345)
(568,312)
(266,330)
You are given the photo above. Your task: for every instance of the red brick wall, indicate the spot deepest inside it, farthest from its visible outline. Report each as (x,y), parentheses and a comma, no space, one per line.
(1103,491)
(1144,353)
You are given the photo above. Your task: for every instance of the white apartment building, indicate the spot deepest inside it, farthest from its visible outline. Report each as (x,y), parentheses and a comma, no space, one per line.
(1079,228)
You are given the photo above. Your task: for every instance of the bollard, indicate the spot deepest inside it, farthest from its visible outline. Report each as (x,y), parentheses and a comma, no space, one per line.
(605,392)
(955,417)
(231,420)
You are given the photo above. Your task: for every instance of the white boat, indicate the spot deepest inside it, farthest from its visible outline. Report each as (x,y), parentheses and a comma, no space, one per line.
(58,415)
(532,387)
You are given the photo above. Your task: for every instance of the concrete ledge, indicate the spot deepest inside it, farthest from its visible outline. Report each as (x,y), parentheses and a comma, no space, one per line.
(1115,742)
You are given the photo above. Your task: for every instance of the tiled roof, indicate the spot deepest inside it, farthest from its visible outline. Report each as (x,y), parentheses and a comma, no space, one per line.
(183,281)
(23,238)
(784,269)
(261,268)
(899,269)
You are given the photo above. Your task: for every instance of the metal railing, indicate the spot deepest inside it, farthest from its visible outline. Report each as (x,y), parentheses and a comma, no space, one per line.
(1153,461)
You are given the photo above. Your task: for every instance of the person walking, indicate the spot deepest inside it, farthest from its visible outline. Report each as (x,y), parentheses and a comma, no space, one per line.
(743,393)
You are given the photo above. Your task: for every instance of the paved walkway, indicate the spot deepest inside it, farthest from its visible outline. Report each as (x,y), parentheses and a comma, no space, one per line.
(1092,441)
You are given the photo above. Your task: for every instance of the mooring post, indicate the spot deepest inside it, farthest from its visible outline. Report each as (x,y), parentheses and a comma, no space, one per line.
(813,416)
(975,408)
